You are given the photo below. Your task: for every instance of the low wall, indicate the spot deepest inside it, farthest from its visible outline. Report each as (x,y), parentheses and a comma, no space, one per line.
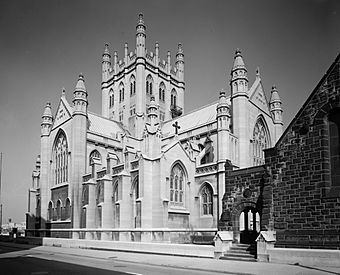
(310,257)
(206,251)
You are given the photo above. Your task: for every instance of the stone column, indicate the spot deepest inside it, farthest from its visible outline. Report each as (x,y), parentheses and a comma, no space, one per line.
(91,209)
(107,208)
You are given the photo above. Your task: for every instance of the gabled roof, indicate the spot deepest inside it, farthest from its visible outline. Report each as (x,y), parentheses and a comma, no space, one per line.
(193,119)
(103,126)
(314,92)
(63,113)
(258,96)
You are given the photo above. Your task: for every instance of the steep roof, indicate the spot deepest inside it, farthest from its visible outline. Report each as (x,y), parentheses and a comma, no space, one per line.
(103,126)
(193,119)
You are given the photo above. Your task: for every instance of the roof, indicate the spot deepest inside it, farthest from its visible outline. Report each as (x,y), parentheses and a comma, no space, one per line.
(104,126)
(193,119)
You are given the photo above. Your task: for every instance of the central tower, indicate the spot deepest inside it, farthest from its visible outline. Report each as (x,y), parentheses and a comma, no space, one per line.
(129,84)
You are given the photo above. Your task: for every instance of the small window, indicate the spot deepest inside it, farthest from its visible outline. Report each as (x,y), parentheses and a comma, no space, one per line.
(207,200)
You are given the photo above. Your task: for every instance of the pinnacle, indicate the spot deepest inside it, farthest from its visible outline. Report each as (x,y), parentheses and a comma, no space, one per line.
(81,83)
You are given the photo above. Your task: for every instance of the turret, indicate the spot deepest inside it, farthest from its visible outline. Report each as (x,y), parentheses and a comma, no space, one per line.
(180,62)
(106,64)
(153,112)
(240,108)
(223,112)
(80,97)
(239,79)
(140,36)
(47,120)
(168,63)
(157,53)
(126,49)
(78,145)
(276,111)
(115,62)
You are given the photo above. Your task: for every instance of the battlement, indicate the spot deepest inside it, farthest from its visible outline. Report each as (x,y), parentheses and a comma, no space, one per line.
(150,58)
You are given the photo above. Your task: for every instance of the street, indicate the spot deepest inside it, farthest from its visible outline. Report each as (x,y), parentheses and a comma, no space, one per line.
(15,260)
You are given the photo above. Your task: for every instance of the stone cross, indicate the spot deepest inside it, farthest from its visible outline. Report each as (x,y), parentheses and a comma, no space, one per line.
(176,126)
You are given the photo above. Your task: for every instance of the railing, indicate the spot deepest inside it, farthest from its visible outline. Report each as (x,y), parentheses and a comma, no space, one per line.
(87,177)
(117,169)
(134,164)
(206,168)
(101,173)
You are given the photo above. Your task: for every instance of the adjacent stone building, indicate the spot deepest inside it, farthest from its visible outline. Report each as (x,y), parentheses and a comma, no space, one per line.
(296,193)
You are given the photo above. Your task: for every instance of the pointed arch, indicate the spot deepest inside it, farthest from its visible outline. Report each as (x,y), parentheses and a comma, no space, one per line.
(121,92)
(132,82)
(149,85)
(58,210)
(178,179)
(260,140)
(50,211)
(60,158)
(173,97)
(206,199)
(161,92)
(68,209)
(94,154)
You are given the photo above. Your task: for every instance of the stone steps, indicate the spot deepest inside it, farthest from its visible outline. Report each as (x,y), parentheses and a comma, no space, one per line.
(241,252)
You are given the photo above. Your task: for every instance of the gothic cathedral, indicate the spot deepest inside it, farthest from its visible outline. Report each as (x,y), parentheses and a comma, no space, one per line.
(144,170)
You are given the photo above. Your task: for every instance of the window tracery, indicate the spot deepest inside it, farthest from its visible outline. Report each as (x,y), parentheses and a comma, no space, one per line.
(260,142)
(60,153)
(206,200)
(177,185)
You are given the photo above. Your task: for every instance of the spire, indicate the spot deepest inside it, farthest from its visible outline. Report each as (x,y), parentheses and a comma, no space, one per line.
(63,93)
(140,25)
(274,97)
(47,111)
(152,111)
(81,84)
(257,72)
(47,120)
(275,106)
(222,106)
(238,61)
(80,97)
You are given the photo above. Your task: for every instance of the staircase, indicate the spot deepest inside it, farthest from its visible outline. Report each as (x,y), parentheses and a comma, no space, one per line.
(241,252)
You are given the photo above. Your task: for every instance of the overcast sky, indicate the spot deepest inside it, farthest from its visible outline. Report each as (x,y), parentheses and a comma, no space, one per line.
(44,45)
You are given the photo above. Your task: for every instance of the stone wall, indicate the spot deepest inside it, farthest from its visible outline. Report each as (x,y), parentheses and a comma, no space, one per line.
(247,187)
(305,203)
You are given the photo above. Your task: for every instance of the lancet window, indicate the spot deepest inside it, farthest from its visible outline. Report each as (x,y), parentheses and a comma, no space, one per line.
(60,157)
(260,142)
(177,178)
(206,200)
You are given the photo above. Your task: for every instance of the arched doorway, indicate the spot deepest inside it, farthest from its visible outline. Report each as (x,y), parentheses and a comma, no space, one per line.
(249,225)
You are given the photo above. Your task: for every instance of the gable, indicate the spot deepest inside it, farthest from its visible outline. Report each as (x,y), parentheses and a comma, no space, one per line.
(258,97)
(325,91)
(63,113)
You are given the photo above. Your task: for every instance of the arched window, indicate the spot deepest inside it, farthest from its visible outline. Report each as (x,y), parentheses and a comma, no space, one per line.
(136,204)
(115,192)
(132,85)
(177,185)
(121,92)
(173,98)
(60,156)
(206,200)
(161,92)
(68,209)
(94,154)
(334,147)
(149,83)
(58,209)
(37,210)
(111,98)
(50,211)
(260,142)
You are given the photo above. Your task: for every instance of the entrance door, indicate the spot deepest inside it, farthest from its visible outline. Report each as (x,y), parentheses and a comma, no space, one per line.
(249,225)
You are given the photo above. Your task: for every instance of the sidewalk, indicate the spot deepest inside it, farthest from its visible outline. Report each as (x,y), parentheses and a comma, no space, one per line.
(202,264)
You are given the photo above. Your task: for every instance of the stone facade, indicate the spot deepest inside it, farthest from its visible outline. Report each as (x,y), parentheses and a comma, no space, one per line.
(297,191)
(144,170)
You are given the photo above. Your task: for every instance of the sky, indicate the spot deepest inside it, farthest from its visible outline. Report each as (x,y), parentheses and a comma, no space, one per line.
(44,45)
